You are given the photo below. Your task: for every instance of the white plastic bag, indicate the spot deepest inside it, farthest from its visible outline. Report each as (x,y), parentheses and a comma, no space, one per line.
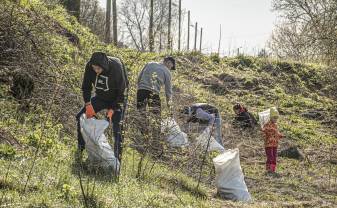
(264,117)
(203,138)
(175,137)
(229,178)
(97,146)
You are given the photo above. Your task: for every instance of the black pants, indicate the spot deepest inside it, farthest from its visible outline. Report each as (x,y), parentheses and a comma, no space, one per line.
(99,105)
(149,106)
(148,98)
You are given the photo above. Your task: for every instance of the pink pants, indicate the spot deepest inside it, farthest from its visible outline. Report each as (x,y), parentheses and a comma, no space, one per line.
(271,153)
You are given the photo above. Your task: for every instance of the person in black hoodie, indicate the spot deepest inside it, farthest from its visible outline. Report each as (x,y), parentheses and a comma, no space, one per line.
(107,76)
(243,118)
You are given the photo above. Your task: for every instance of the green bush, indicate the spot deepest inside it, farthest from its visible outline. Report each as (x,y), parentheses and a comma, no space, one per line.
(241,62)
(215,58)
(7,151)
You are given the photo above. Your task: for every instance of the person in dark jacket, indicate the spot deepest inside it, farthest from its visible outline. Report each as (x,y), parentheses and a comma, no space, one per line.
(107,76)
(243,118)
(204,113)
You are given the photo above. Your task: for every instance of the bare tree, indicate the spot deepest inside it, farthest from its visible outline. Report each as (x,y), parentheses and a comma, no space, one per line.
(308,29)
(135,17)
(93,16)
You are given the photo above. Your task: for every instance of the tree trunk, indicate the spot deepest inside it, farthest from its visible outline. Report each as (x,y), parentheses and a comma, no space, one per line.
(108,22)
(151,27)
(179,35)
(169,26)
(114,26)
(188,30)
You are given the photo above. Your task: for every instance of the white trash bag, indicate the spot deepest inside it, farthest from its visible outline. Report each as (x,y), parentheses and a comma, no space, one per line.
(203,138)
(264,117)
(175,137)
(229,178)
(97,146)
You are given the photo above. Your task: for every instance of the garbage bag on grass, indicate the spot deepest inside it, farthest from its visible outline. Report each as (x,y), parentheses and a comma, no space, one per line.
(203,138)
(264,117)
(175,137)
(100,153)
(229,178)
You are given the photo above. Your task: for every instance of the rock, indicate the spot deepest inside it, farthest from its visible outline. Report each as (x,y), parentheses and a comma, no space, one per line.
(292,152)
(313,115)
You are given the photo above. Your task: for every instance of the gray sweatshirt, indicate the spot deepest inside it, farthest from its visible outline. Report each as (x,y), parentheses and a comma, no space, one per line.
(153,77)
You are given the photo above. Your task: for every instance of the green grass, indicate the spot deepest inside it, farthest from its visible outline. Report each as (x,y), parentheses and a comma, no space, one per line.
(54,180)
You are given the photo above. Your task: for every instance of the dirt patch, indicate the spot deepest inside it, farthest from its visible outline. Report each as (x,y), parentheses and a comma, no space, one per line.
(8,138)
(313,114)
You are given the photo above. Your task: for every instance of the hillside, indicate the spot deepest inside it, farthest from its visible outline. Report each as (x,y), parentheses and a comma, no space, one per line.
(38,137)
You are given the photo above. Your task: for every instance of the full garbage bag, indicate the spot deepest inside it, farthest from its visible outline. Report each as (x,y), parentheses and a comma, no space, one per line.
(229,178)
(100,153)
(175,137)
(204,137)
(264,117)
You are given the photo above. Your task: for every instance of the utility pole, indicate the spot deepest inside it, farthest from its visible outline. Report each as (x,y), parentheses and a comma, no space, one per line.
(169,26)
(200,40)
(108,22)
(151,26)
(219,41)
(114,24)
(195,36)
(179,35)
(188,30)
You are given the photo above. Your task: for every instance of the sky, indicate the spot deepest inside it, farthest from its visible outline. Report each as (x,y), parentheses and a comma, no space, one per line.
(246,24)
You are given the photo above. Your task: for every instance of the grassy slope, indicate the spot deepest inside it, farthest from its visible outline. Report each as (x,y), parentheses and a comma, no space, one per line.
(55,180)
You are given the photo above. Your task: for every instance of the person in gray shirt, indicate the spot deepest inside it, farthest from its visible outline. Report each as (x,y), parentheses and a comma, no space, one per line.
(150,81)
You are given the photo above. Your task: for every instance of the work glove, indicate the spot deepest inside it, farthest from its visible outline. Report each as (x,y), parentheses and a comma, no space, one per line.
(109,115)
(89,111)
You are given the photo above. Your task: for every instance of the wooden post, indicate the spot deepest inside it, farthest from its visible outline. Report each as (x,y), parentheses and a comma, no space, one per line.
(200,40)
(195,36)
(160,41)
(188,30)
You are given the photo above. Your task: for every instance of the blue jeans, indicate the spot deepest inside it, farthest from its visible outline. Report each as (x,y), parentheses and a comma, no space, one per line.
(203,115)
(218,132)
(99,105)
